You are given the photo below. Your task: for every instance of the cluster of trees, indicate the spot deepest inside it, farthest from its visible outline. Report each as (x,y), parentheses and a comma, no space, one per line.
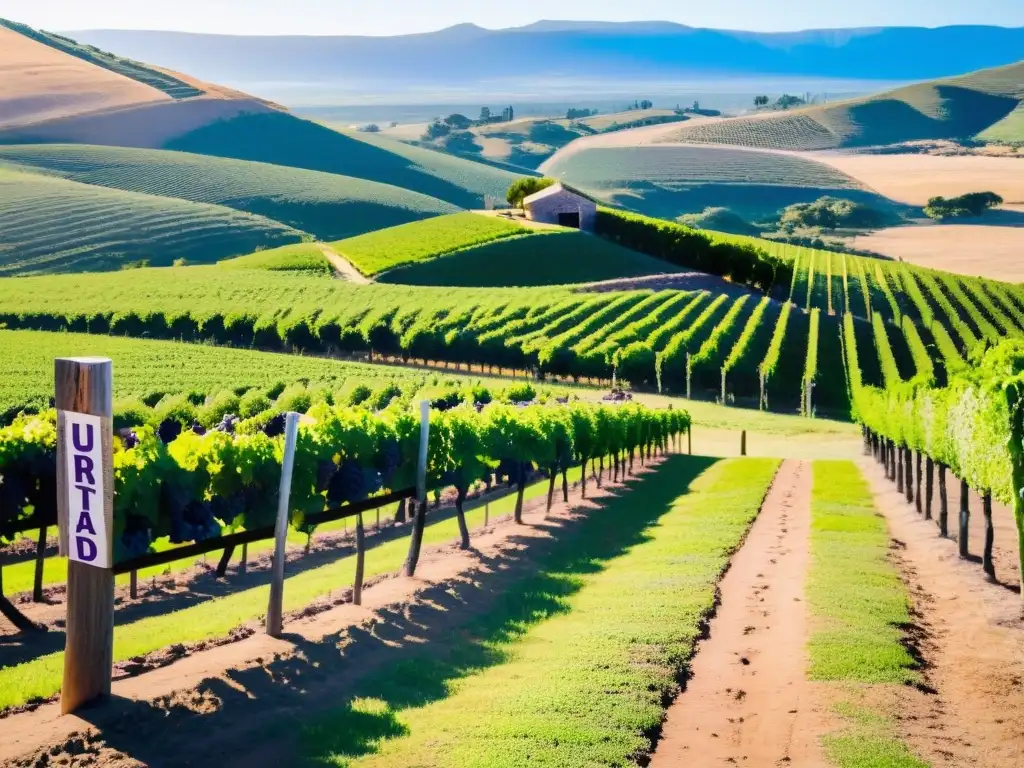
(445,126)
(971,204)
(642,104)
(576,114)
(831,213)
(786,101)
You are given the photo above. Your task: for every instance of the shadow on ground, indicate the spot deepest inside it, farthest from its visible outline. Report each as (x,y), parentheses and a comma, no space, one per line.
(300,708)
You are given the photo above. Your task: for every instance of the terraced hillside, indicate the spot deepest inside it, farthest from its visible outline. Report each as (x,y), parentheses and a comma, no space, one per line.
(953,108)
(49,224)
(666,180)
(283,139)
(326,205)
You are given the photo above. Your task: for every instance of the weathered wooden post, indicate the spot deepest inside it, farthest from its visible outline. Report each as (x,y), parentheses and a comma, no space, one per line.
(899,468)
(743,443)
(917,477)
(83,389)
(723,384)
(908,457)
(420,521)
(275,610)
(687,375)
(943,503)
(929,486)
(689,440)
(357,587)
(965,518)
(990,535)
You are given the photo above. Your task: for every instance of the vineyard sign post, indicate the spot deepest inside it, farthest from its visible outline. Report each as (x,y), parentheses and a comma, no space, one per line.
(275,614)
(83,389)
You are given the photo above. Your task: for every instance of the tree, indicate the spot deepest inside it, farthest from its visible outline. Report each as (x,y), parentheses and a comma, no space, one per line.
(523,188)
(786,101)
(458,122)
(972,204)
(760,101)
(437,130)
(371,128)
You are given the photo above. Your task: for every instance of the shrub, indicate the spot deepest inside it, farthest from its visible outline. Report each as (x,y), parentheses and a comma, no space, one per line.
(252,403)
(680,245)
(972,204)
(131,413)
(294,398)
(217,407)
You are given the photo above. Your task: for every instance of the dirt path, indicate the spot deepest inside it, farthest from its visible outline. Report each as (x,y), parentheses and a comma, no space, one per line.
(748,702)
(971,635)
(342,266)
(203,706)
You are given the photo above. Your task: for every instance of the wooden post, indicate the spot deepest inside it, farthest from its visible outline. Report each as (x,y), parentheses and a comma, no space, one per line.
(917,477)
(990,535)
(687,375)
(420,521)
(943,503)
(37,581)
(899,468)
(133,585)
(908,474)
(275,610)
(743,443)
(929,486)
(689,440)
(84,390)
(243,566)
(723,384)
(357,587)
(965,518)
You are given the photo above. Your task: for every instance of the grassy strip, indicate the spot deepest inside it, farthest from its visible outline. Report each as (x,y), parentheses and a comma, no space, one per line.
(41,677)
(301,257)
(858,605)
(574,665)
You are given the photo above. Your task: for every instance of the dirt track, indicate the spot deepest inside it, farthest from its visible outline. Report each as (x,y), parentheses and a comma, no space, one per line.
(748,702)
(972,641)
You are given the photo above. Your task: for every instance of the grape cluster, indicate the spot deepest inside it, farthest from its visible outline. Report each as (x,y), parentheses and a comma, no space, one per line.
(275,426)
(388,460)
(137,536)
(227,424)
(194,522)
(352,483)
(169,430)
(198,428)
(128,438)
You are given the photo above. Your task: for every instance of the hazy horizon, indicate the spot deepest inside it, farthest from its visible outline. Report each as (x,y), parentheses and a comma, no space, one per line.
(397,17)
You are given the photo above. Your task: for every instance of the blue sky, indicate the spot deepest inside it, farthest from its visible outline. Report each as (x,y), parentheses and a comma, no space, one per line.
(383,17)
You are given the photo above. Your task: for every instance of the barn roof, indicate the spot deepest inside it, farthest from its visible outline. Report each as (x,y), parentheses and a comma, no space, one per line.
(554,189)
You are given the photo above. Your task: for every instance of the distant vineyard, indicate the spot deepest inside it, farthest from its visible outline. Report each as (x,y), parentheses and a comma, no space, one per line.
(52,225)
(326,205)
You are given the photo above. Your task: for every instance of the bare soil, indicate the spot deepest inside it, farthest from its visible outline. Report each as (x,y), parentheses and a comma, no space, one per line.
(671,281)
(972,249)
(203,705)
(748,701)
(970,633)
(343,268)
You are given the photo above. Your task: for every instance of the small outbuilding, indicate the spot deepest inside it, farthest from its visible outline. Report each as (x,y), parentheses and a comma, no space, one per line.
(561,205)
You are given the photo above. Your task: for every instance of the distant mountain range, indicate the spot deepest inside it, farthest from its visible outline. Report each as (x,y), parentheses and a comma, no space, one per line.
(637,51)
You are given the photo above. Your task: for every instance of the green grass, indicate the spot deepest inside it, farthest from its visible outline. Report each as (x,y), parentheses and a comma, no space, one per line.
(574,664)
(301,257)
(326,205)
(540,258)
(48,224)
(40,678)
(1009,130)
(952,108)
(283,139)
(424,240)
(858,606)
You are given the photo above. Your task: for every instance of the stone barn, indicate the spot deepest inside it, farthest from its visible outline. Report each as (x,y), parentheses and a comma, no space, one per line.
(563,206)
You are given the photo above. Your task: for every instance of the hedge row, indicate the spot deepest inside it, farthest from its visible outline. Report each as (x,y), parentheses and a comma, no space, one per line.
(687,247)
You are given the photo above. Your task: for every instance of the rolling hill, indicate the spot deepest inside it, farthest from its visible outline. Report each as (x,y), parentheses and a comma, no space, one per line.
(973,105)
(326,205)
(667,180)
(283,139)
(49,224)
(55,89)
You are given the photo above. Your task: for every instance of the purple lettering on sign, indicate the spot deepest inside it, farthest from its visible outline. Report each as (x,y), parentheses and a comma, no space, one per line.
(85,524)
(86,549)
(85,502)
(86,490)
(85,446)
(83,470)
